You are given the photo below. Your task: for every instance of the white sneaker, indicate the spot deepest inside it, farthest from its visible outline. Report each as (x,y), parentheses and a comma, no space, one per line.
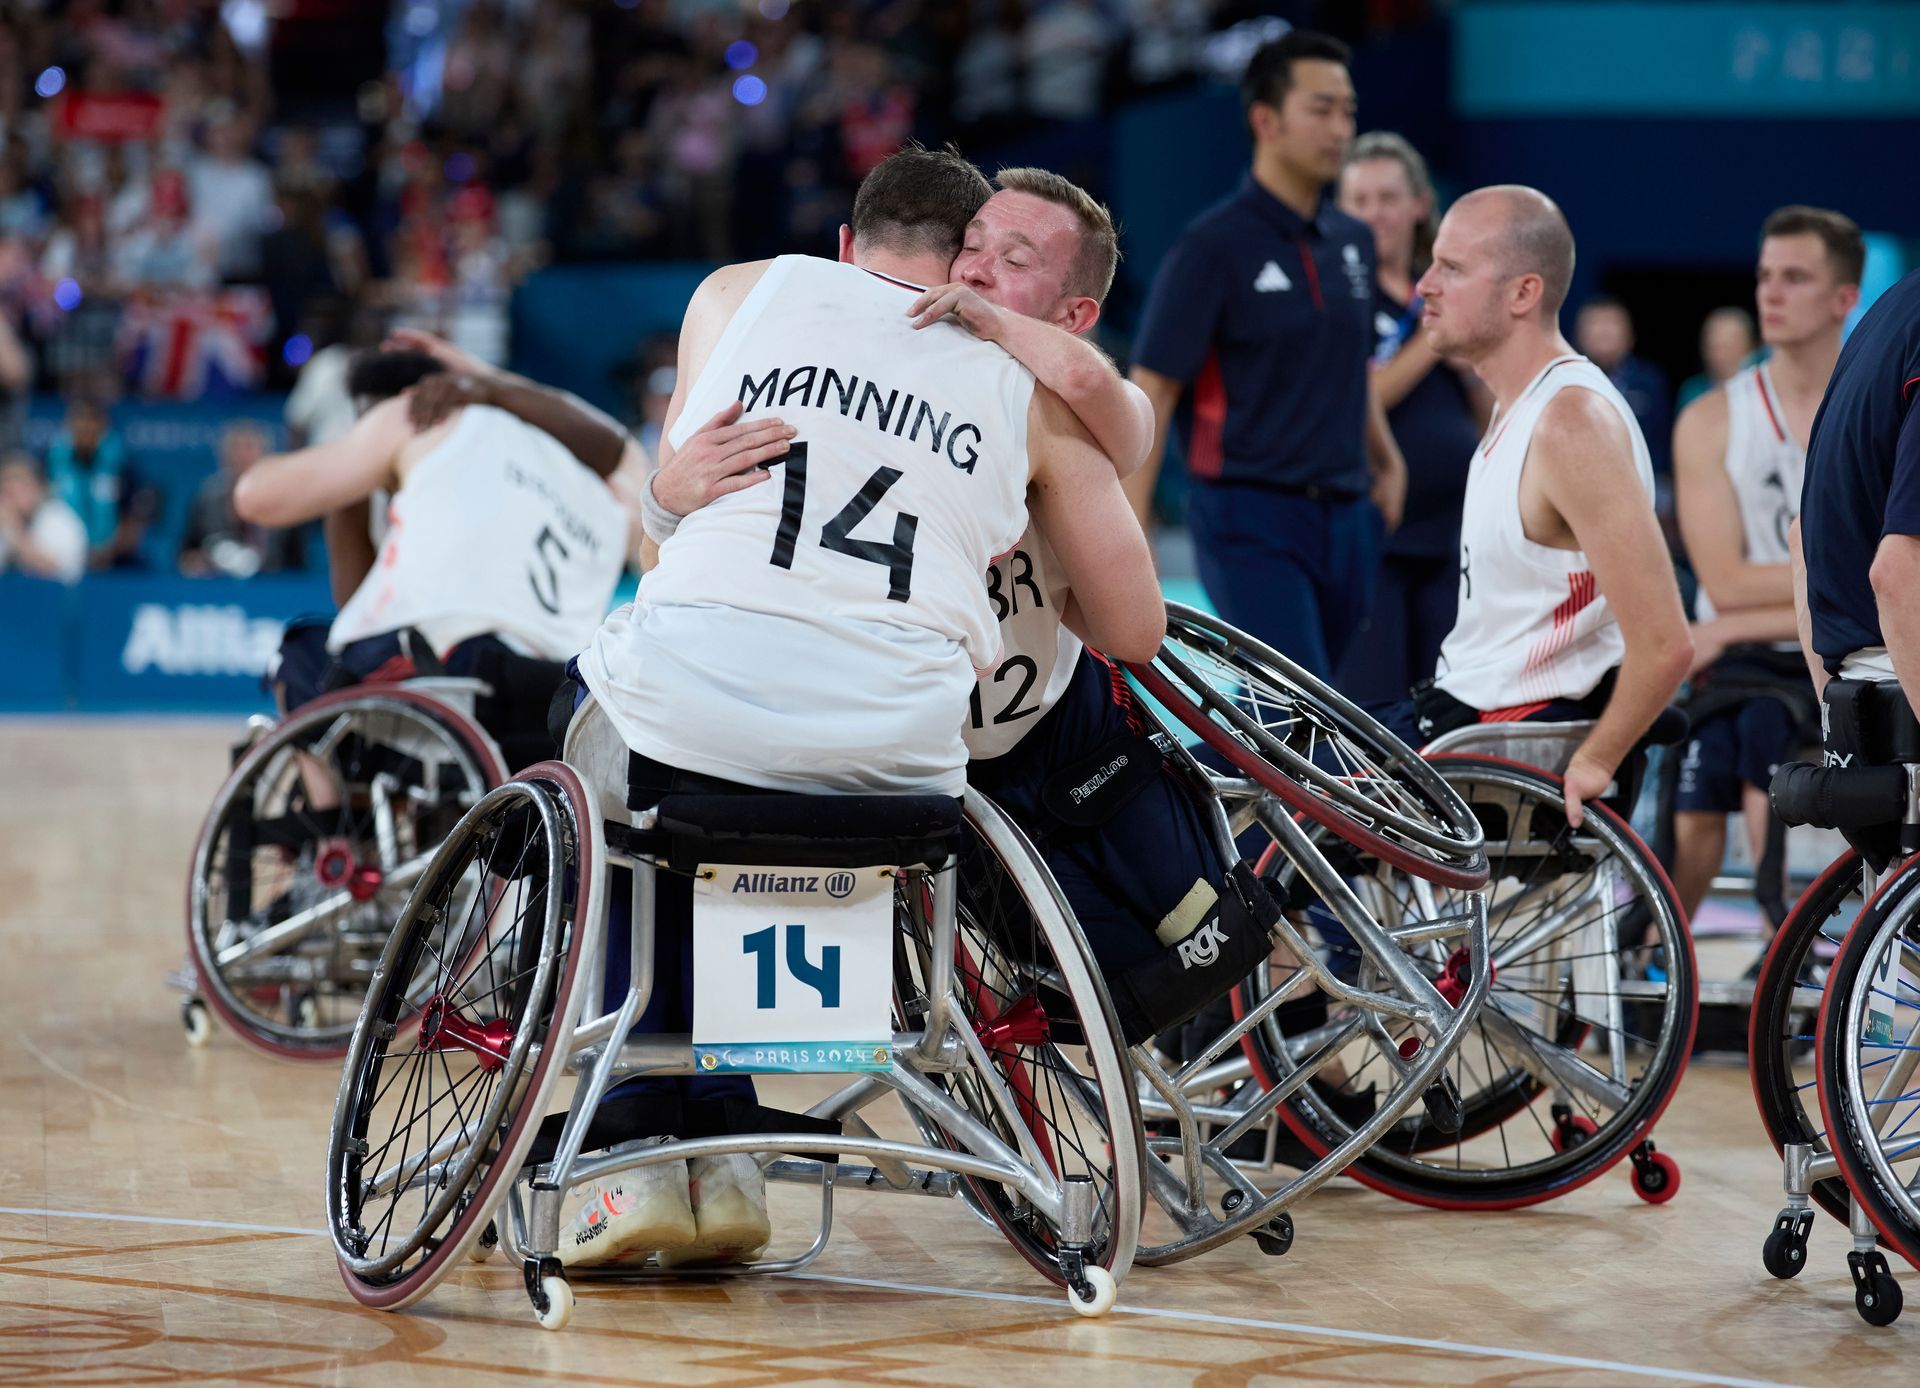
(629,1217)
(730,1208)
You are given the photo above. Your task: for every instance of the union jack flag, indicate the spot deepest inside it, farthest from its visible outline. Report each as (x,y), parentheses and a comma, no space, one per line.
(194,345)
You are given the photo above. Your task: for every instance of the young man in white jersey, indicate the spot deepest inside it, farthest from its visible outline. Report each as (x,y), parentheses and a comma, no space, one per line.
(1739,457)
(823,635)
(502,549)
(1566,594)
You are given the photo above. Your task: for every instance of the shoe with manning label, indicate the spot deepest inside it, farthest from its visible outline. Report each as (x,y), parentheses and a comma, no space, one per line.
(629,1217)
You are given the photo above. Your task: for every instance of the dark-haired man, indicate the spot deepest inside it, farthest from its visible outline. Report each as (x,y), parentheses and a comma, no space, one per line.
(824,635)
(500,538)
(1260,326)
(1739,459)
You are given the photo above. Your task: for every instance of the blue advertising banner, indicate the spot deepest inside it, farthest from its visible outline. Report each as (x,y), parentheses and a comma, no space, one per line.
(182,644)
(33,648)
(1578,57)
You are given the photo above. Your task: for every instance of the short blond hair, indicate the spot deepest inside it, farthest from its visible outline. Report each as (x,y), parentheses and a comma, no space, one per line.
(1099,254)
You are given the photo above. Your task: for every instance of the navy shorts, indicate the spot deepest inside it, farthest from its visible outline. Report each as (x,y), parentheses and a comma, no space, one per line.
(1295,572)
(1740,748)
(1123,877)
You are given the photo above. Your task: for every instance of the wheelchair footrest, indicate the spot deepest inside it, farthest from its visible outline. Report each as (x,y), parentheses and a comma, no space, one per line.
(644,1116)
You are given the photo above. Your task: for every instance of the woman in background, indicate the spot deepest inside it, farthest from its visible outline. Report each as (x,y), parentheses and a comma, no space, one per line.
(1437,414)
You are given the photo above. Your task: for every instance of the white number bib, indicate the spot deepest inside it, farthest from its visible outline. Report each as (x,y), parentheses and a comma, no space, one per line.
(792,969)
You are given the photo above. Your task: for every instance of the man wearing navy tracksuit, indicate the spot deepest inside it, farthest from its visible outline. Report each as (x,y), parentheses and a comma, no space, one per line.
(1259,328)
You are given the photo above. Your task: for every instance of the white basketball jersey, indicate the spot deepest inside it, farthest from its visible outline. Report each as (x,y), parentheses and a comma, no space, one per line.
(1533,625)
(1027,589)
(1765,464)
(499,529)
(821,631)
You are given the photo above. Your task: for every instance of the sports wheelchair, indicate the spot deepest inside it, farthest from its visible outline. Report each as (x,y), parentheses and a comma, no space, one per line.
(1004,1050)
(1855,1156)
(322,828)
(1592,997)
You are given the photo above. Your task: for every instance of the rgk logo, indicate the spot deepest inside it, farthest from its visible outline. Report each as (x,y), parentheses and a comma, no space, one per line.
(1202,947)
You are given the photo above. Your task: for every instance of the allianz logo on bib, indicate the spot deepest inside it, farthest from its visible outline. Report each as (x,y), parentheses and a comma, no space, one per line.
(199,640)
(836,884)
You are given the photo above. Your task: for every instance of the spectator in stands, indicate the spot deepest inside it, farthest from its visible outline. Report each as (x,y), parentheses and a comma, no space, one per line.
(165,251)
(90,471)
(1437,413)
(16,383)
(231,194)
(1603,333)
(1727,342)
(39,533)
(1066,49)
(217,540)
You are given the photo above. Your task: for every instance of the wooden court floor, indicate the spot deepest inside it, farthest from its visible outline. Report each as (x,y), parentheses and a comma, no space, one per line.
(159,1209)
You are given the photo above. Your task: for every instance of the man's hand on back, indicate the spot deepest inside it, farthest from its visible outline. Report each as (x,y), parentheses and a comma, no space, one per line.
(723,457)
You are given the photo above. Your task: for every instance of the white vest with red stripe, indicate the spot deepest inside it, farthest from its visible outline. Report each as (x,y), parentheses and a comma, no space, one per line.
(1765,463)
(1533,625)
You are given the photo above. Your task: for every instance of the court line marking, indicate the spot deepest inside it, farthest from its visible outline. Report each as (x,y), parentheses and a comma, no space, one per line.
(26,1043)
(1196,1317)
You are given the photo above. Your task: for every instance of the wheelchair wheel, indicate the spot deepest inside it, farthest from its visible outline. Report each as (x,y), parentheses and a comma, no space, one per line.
(1055,1082)
(308,854)
(1869,1041)
(1786,1003)
(1302,741)
(432,1124)
(1600,1023)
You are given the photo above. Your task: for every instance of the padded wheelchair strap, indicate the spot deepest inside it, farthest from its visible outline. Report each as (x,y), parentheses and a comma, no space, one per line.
(669,1115)
(1170,988)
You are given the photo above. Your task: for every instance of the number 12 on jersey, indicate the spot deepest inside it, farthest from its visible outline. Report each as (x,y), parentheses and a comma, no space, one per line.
(837,534)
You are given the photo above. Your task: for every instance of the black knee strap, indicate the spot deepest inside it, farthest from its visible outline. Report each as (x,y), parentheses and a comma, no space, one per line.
(1090,790)
(1161,993)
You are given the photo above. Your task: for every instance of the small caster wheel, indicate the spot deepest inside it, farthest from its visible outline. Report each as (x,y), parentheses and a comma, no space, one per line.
(304,1010)
(1573,1130)
(1785,1251)
(557,1293)
(1276,1236)
(482,1248)
(1232,1201)
(1446,1110)
(1876,1296)
(1096,1294)
(1656,1176)
(197,1021)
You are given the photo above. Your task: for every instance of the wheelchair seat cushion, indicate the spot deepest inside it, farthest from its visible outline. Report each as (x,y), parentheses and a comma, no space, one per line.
(776,830)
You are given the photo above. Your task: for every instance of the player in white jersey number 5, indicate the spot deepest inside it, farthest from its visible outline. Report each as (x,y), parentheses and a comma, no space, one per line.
(502,548)
(1567,597)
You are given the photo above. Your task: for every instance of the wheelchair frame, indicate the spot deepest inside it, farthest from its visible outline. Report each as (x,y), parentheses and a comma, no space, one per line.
(446,701)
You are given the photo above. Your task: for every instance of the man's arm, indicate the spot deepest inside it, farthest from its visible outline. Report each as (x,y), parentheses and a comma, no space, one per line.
(1176,334)
(1116,413)
(1384,462)
(293,488)
(1076,501)
(584,431)
(1395,378)
(1802,613)
(1163,397)
(348,531)
(1709,512)
(1712,638)
(1895,573)
(1585,461)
